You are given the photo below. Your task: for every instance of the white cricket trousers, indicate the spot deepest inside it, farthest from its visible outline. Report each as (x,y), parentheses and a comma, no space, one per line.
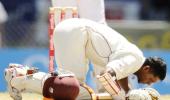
(70,54)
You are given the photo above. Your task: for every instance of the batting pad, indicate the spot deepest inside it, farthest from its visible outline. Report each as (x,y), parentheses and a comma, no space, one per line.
(109,83)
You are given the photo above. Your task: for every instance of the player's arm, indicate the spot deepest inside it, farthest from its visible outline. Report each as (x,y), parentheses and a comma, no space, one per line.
(124,84)
(124,66)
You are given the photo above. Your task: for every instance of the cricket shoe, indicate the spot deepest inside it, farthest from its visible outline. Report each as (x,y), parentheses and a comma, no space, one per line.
(10,74)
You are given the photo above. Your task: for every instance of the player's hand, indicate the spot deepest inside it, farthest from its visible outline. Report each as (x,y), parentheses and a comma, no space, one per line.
(109,70)
(143,94)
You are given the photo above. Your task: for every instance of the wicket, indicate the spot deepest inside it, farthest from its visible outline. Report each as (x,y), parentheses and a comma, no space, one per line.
(56,15)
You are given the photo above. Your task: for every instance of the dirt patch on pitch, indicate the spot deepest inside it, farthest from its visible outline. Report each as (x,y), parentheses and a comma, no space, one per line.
(33,96)
(26,96)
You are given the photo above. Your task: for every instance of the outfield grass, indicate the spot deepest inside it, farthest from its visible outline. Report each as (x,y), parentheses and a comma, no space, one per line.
(32,96)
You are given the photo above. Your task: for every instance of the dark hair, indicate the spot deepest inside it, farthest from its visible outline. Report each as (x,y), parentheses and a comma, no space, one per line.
(158,66)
